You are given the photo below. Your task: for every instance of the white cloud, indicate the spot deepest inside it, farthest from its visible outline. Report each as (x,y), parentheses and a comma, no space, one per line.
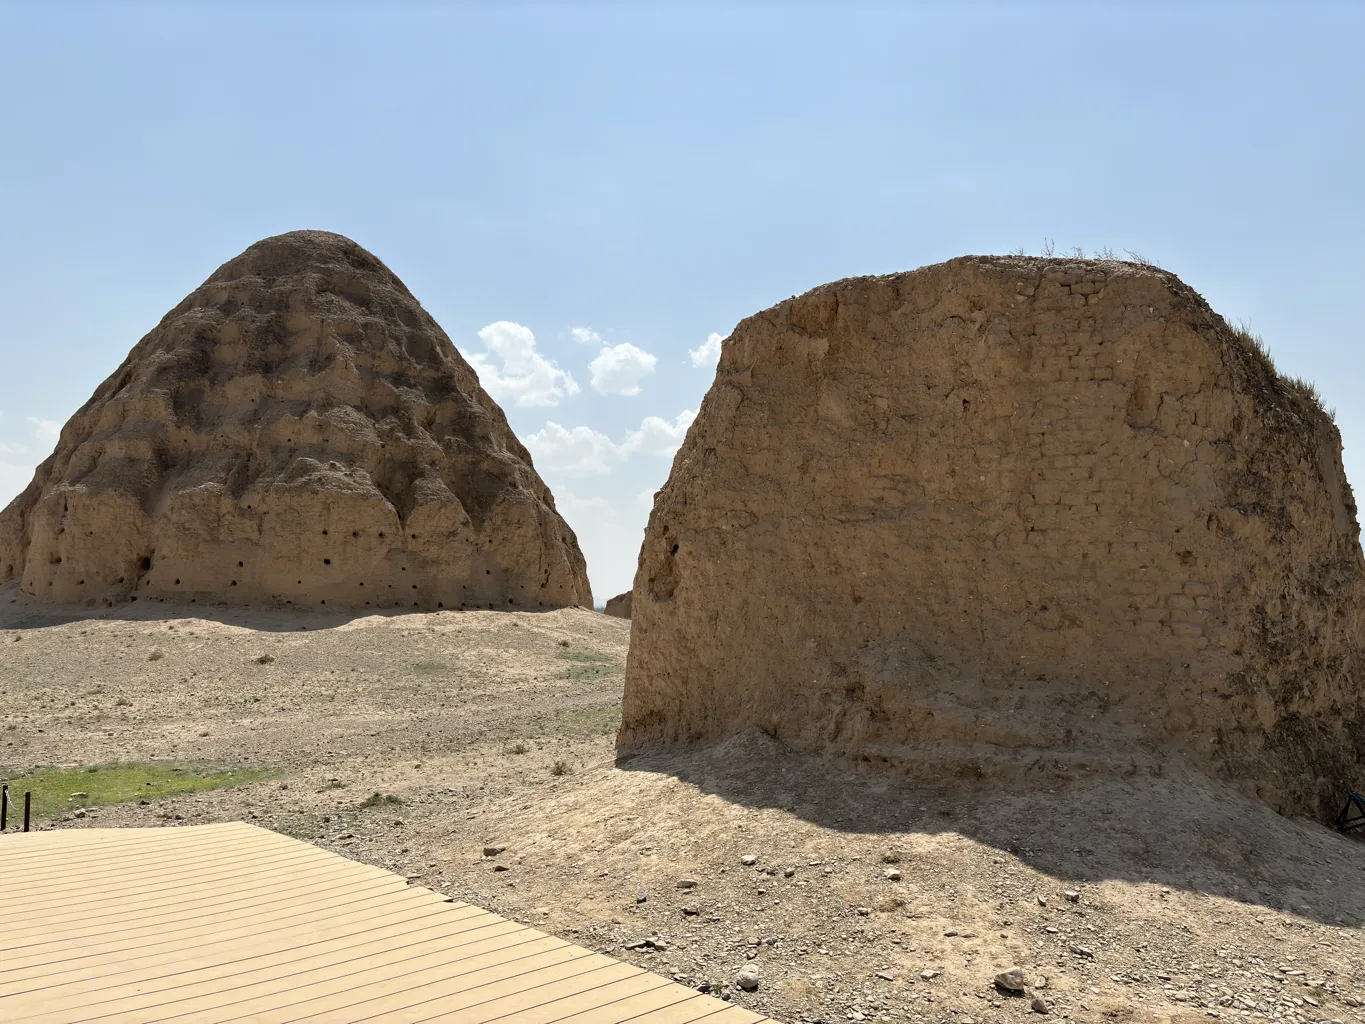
(708,352)
(13,479)
(573,451)
(526,376)
(584,452)
(585,336)
(11,449)
(46,431)
(657,436)
(618,369)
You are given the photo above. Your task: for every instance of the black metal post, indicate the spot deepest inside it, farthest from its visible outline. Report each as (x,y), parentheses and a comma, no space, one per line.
(28,801)
(4,805)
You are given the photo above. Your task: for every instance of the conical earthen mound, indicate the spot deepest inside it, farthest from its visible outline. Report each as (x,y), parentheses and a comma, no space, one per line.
(297,431)
(1009,514)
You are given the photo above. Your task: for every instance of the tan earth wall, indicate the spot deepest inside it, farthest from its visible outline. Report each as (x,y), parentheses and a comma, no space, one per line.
(619,606)
(1001,509)
(297,431)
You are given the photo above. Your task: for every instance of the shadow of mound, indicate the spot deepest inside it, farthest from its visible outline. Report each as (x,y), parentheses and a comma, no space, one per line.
(1179,829)
(18,611)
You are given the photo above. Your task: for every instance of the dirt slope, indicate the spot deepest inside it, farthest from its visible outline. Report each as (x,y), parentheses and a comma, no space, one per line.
(1192,900)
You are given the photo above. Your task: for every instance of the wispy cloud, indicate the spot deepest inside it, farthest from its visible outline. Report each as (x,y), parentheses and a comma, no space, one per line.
(618,369)
(584,452)
(46,431)
(525,377)
(585,336)
(708,352)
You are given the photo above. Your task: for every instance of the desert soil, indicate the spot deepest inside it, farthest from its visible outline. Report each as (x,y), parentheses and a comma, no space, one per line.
(1145,897)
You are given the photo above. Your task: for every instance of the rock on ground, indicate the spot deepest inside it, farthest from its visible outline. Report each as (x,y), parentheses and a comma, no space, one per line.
(298,431)
(1005,509)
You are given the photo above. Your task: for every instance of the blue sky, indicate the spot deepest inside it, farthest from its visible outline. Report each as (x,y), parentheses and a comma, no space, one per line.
(649,175)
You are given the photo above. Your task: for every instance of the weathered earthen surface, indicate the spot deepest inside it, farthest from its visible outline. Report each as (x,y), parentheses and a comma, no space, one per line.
(297,431)
(619,606)
(1003,513)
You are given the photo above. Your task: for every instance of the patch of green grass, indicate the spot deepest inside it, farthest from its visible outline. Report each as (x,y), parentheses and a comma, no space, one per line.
(585,722)
(588,658)
(380,799)
(53,789)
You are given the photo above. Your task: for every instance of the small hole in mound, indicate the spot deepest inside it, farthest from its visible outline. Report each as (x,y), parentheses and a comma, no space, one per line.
(405,568)
(414,604)
(234,583)
(367,604)
(248,508)
(356,533)
(324,602)
(673,550)
(326,561)
(439,604)
(80,583)
(488,572)
(509,600)
(239,565)
(324,533)
(146,564)
(414,536)
(362,583)
(134,598)
(120,579)
(177,583)
(381,533)
(541,603)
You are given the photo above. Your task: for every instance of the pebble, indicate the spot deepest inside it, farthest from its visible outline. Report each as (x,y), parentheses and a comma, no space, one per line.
(687,883)
(788,872)
(1072,896)
(79,812)
(80,796)
(893,874)
(1039,1005)
(928,975)
(1011,980)
(886,976)
(747,978)
(493,851)
(641,896)
(748,860)
(1081,950)
(691,911)
(500,867)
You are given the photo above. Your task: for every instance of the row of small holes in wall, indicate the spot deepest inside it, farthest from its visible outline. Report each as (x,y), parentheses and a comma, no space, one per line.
(356,533)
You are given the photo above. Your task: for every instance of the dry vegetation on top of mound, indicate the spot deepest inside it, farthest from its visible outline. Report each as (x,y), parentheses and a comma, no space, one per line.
(414,741)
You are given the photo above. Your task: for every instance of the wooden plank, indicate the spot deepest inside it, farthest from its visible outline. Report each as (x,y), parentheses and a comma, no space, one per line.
(228,922)
(539,1006)
(229,968)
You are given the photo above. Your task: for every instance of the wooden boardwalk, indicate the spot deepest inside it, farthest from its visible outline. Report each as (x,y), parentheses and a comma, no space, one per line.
(230,922)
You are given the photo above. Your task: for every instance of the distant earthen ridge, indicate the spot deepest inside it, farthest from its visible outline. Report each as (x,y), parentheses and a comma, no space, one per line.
(298,430)
(1009,515)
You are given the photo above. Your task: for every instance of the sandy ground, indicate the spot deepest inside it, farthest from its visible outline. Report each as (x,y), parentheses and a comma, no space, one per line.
(1129,898)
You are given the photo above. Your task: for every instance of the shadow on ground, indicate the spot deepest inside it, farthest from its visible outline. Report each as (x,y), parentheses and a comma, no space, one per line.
(1181,830)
